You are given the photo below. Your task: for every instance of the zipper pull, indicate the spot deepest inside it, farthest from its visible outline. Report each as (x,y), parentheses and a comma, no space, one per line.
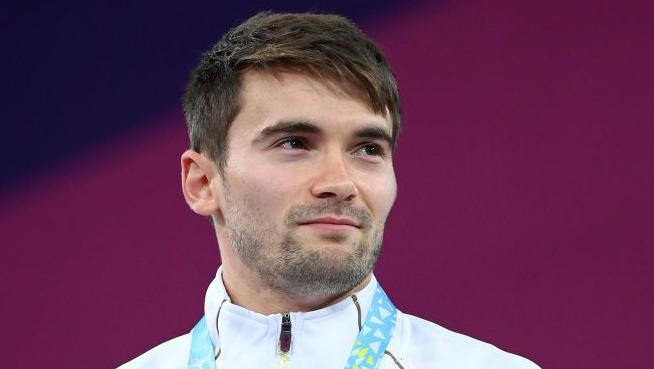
(285,334)
(285,341)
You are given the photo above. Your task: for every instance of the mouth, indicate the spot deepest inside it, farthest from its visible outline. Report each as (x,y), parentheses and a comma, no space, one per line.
(331,224)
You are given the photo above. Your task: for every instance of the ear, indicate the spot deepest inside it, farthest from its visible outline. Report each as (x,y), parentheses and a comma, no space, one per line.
(202,184)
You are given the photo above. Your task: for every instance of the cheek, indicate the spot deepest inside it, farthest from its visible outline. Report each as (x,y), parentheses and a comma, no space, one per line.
(267,191)
(381,194)
(388,198)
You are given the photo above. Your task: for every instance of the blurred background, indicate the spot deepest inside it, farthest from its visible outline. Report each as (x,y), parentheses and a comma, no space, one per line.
(524,215)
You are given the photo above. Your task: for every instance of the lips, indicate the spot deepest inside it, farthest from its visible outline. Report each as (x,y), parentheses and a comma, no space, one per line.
(333,221)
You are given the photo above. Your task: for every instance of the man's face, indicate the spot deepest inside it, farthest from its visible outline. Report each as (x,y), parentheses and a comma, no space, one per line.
(308,183)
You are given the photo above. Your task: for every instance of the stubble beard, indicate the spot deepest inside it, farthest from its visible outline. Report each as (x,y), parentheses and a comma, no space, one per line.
(287,266)
(319,272)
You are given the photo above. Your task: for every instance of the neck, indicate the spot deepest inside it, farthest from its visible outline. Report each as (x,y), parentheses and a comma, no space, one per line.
(246,290)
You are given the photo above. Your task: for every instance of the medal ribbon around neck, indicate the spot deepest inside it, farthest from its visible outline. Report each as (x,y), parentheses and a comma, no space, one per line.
(367,352)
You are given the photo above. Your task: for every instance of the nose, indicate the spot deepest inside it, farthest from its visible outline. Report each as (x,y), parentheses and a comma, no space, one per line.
(333,180)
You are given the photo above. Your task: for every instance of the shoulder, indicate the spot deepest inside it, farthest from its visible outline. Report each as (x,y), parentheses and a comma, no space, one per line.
(425,342)
(171,354)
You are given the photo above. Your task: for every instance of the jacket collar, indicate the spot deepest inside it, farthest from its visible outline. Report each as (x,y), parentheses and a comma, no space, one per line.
(217,299)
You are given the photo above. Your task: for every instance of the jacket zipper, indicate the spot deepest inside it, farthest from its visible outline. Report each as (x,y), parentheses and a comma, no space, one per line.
(285,341)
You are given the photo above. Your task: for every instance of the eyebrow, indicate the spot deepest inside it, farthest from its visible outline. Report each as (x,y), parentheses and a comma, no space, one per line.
(287,127)
(303,126)
(375,133)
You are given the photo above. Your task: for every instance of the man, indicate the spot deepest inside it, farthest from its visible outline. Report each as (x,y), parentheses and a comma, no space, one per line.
(293,119)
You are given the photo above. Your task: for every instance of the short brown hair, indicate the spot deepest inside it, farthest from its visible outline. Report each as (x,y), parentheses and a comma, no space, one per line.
(323,45)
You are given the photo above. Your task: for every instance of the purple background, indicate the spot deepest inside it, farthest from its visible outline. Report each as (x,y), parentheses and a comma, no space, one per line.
(524,171)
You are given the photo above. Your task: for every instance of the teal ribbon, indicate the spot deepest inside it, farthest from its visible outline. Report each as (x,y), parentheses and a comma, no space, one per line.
(367,352)
(202,348)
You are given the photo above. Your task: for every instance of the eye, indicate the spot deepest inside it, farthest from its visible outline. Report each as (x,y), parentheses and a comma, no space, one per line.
(372,149)
(293,143)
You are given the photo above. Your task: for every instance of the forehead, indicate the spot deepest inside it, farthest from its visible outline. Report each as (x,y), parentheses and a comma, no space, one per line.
(267,98)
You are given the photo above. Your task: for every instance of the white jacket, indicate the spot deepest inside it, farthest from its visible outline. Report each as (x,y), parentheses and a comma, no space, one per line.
(323,339)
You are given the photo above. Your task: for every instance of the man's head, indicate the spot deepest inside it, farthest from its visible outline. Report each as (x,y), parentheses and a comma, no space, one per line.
(324,46)
(293,120)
